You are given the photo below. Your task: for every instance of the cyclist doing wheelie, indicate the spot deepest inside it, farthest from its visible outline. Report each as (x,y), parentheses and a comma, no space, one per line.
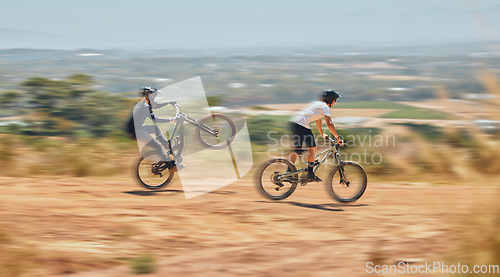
(141,132)
(161,155)
(301,131)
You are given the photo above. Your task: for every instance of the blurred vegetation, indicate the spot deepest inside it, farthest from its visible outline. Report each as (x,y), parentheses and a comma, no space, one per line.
(370,105)
(417,113)
(260,108)
(430,132)
(68,107)
(265,129)
(79,157)
(215,100)
(143,264)
(66,127)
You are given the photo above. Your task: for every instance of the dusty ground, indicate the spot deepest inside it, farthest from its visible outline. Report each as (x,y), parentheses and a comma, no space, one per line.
(91,227)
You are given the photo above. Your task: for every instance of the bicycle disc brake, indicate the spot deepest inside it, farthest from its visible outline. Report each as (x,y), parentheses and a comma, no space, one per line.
(344,179)
(345,183)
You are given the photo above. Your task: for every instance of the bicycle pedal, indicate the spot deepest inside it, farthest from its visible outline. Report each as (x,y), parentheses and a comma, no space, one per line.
(316,179)
(176,168)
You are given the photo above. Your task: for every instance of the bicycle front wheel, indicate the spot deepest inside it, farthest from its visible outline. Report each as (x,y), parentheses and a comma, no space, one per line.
(151,173)
(346,182)
(224,129)
(271,184)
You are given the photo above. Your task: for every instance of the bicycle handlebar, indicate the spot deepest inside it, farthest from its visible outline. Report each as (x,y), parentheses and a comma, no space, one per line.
(333,141)
(177,108)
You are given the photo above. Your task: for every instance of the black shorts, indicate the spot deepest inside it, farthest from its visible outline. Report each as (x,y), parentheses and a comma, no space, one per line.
(301,134)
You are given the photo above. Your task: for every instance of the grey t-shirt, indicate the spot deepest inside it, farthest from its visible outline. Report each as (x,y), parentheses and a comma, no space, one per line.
(312,112)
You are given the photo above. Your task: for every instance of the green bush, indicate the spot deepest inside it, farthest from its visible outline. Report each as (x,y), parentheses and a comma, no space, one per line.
(260,108)
(143,264)
(262,127)
(370,105)
(429,132)
(416,113)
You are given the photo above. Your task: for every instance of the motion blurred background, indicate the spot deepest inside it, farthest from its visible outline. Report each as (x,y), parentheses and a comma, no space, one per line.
(425,74)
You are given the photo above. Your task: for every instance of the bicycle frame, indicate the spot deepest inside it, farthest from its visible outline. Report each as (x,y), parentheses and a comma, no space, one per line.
(280,182)
(180,117)
(333,150)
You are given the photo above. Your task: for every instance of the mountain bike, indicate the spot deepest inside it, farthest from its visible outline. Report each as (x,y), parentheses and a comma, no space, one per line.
(277,178)
(215,131)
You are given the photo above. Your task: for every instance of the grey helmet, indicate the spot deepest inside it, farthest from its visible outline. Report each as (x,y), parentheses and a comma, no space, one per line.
(147,91)
(329,96)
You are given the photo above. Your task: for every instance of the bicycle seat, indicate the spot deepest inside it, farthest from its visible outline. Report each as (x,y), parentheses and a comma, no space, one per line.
(299,151)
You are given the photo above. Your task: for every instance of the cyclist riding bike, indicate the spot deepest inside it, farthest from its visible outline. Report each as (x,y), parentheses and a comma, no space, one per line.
(142,111)
(301,131)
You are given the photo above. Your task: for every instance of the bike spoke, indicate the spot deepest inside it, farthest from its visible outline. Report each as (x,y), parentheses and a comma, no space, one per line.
(347,183)
(272,183)
(224,128)
(152,173)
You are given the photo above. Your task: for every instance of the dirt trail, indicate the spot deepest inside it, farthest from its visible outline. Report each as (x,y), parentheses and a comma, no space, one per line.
(89,227)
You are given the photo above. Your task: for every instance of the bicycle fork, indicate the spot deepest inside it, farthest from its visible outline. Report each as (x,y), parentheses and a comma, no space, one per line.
(343,176)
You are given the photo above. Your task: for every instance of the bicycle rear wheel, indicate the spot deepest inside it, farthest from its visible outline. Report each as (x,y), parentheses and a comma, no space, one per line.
(151,173)
(223,125)
(271,184)
(347,182)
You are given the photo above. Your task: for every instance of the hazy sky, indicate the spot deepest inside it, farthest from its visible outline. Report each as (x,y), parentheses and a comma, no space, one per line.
(198,23)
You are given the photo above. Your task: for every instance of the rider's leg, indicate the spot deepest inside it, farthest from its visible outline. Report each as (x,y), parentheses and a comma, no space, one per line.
(156,147)
(311,156)
(150,129)
(296,141)
(153,129)
(148,143)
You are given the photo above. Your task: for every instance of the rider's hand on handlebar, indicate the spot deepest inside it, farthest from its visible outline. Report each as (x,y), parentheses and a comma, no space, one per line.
(340,141)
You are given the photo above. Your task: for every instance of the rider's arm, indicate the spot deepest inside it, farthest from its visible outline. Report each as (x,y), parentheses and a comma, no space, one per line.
(164,120)
(157,119)
(330,125)
(161,105)
(319,124)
